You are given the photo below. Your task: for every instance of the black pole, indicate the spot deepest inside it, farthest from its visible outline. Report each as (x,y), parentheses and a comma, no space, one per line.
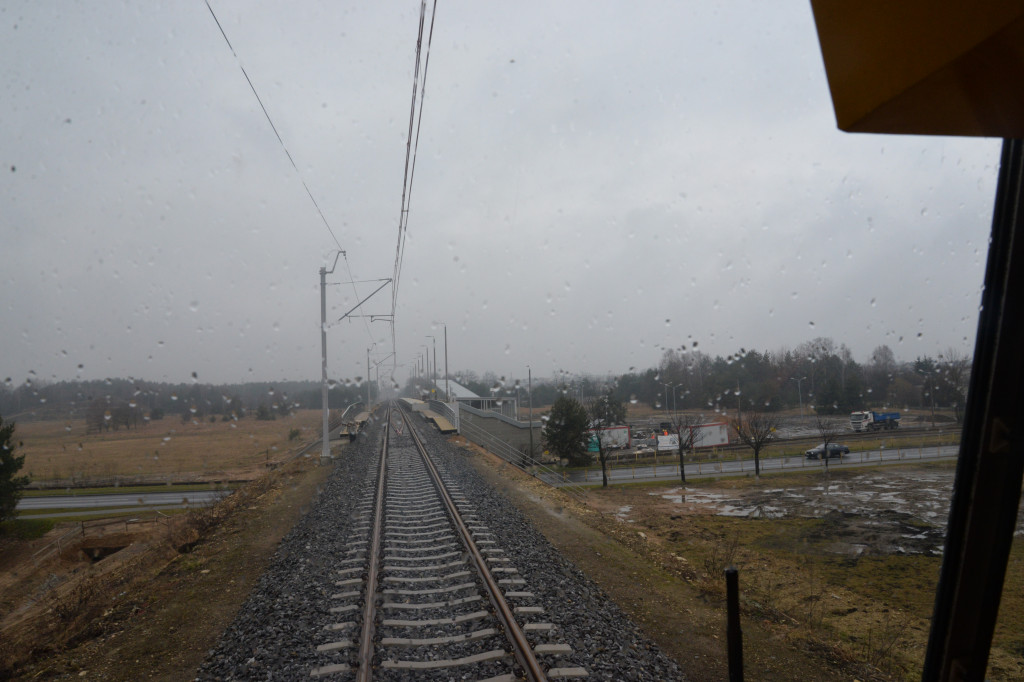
(986,493)
(734,635)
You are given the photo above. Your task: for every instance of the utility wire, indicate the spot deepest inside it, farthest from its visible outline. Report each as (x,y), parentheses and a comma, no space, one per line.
(274,128)
(348,267)
(416,144)
(402,220)
(411,149)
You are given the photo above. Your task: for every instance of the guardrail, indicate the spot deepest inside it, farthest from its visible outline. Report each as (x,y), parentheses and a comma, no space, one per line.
(446,411)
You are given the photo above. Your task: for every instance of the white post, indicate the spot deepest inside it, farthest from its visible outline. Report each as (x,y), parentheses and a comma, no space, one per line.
(325,451)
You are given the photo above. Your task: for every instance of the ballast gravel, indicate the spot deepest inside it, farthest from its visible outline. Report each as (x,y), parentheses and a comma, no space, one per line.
(276,632)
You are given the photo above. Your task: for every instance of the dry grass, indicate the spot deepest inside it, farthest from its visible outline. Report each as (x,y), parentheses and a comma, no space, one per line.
(870,612)
(156,607)
(61,451)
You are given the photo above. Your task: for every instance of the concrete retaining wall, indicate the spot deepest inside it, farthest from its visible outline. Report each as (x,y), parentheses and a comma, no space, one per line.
(516,434)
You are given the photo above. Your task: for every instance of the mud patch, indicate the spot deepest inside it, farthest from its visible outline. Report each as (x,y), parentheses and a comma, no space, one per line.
(878,512)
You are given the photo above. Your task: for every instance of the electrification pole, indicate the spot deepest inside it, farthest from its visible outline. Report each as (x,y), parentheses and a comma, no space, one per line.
(325,451)
(447,391)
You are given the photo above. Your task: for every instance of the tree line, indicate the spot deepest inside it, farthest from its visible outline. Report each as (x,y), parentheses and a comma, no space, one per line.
(819,375)
(113,404)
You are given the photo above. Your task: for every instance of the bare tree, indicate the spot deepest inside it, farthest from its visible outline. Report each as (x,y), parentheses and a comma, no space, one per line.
(605,411)
(688,426)
(756,430)
(956,367)
(828,430)
(881,373)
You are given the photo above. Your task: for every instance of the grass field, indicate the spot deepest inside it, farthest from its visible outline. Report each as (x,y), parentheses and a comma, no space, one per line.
(61,453)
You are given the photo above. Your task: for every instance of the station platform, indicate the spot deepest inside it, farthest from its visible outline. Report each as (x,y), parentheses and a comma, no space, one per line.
(442,423)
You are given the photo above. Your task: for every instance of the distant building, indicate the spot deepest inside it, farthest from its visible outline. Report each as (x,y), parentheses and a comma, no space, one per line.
(506,405)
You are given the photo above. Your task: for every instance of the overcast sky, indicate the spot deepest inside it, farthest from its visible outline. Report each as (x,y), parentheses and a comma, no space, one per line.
(596,182)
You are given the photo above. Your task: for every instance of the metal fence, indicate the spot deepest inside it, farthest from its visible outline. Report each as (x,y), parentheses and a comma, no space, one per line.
(446,411)
(96,528)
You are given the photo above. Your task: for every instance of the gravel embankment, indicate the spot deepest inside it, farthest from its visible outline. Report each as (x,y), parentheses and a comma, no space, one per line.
(277,630)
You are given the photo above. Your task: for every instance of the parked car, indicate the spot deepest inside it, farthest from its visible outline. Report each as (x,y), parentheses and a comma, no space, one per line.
(834,450)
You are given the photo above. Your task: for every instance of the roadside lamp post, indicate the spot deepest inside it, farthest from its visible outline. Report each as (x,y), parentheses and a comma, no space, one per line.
(667,386)
(433,375)
(799,392)
(518,419)
(447,391)
(529,395)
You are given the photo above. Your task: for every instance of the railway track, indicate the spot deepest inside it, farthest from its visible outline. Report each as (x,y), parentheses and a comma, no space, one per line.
(424,588)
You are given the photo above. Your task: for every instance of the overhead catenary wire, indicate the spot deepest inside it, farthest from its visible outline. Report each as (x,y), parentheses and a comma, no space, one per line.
(291,160)
(273,127)
(412,143)
(411,149)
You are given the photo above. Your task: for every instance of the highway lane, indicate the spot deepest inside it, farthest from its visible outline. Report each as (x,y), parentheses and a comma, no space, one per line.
(742,467)
(111,501)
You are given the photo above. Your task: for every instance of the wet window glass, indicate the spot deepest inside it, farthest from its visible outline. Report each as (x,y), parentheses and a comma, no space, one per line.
(638,219)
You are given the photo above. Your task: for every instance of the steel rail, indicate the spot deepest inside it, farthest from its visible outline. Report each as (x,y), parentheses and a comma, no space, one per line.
(365,658)
(521,648)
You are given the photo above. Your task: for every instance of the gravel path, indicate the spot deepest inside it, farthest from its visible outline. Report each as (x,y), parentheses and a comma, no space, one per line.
(275,634)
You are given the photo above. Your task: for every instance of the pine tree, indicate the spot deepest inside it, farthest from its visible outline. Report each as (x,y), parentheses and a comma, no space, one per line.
(10,484)
(566,431)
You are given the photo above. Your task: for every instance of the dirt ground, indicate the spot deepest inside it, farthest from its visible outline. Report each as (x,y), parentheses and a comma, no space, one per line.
(664,592)
(837,574)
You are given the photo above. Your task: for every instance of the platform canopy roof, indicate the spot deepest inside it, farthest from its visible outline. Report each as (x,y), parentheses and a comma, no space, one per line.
(458,391)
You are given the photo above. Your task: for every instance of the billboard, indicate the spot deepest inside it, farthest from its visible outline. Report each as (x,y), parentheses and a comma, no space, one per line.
(614,437)
(668,443)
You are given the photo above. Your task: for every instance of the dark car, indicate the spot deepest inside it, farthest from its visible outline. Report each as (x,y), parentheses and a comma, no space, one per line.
(834,450)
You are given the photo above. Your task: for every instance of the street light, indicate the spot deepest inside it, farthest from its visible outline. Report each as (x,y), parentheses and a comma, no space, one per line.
(518,415)
(529,395)
(433,375)
(447,388)
(799,392)
(668,386)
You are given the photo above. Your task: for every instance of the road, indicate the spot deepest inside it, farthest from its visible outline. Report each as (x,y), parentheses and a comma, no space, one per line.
(741,467)
(140,500)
